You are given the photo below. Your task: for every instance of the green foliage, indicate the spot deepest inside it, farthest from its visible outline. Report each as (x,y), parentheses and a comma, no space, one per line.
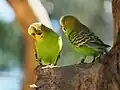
(10,44)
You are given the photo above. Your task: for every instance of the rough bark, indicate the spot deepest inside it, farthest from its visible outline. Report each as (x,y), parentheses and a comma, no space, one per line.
(104,75)
(25,17)
(116,17)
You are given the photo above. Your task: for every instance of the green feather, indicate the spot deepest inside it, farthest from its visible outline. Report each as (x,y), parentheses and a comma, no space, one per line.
(49,47)
(81,38)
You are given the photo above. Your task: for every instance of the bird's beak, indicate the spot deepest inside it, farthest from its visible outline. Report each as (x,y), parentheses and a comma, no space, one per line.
(37,37)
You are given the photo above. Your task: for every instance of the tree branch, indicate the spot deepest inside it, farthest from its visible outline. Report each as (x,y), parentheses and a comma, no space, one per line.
(25,17)
(116,17)
(98,76)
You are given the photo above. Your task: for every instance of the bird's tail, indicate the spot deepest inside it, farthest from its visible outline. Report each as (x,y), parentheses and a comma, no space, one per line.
(105,48)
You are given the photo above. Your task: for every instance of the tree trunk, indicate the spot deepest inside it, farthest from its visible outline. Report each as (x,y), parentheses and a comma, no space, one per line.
(26,17)
(116,17)
(103,75)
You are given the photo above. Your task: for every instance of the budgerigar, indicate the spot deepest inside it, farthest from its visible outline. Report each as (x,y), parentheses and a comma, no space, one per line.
(81,38)
(48,44)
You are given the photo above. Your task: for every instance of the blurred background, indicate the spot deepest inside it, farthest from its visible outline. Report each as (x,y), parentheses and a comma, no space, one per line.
(16,46)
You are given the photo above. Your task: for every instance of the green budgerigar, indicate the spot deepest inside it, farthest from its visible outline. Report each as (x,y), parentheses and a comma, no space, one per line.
(81,38)
(48,44)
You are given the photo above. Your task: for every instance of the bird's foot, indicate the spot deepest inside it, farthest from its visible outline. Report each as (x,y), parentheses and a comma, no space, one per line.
(39,63)
(49,66)
(34,86)
(93,60)
(82,61)
(96,59)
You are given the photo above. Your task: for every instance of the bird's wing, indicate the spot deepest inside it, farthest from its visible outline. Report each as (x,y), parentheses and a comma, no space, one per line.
(95,42)
(87,39)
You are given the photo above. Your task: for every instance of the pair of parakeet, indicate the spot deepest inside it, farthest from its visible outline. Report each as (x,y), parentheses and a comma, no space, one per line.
(48,44)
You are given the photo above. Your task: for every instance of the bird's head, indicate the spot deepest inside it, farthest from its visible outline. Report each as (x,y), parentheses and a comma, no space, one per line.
(68,23)
(35,31)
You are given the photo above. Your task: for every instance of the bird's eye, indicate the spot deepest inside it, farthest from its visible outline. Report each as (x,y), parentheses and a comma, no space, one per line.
(39,33)
(64,29)
(33,34)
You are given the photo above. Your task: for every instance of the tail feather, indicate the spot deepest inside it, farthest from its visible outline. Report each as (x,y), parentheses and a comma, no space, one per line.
(106,45)
(105,50)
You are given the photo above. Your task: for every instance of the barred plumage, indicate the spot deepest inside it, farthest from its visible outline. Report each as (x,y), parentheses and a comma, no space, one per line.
(81,38)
